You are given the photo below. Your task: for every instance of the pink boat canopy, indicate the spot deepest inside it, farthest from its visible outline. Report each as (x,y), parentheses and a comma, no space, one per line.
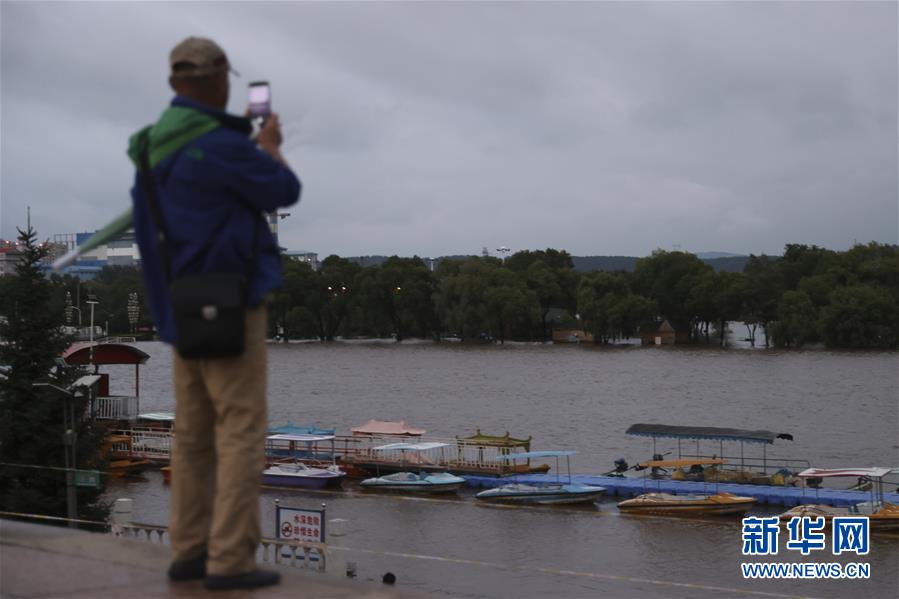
(386,427)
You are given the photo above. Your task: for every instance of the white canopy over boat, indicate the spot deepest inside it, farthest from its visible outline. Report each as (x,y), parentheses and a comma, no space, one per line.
(854,472)
(410,446)
(160,416)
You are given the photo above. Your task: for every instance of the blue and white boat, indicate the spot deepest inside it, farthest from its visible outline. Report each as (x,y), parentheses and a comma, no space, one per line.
(296,473)
(543,493)
(414,482)
(302,476)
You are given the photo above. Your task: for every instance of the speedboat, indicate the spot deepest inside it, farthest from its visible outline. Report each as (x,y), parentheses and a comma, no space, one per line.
(542,494)
(549,493)
(881,514)
(298,474)
(667,504)
(415,482)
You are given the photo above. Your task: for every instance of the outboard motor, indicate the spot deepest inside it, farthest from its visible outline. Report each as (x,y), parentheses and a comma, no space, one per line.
(656,471)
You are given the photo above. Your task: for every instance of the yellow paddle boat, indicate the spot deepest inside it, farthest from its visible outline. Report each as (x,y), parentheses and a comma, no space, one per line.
(693,504)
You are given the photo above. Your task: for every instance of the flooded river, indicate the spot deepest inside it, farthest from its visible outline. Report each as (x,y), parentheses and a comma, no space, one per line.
(841,407)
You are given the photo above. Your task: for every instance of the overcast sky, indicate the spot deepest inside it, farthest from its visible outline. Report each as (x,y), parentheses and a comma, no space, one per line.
(441,128)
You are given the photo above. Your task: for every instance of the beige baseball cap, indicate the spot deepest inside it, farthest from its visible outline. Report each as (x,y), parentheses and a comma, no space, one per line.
(197,57)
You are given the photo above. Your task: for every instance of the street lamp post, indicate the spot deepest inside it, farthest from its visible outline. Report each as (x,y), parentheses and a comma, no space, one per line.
(86,386)
(92,301)
(69,441)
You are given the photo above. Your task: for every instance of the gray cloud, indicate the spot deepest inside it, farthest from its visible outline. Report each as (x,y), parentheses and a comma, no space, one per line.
(438,128)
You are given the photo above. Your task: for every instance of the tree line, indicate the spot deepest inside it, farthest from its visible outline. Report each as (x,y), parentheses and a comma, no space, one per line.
(808,295)
(32,454)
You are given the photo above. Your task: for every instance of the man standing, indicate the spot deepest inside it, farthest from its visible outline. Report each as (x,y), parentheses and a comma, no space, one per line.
(211,184)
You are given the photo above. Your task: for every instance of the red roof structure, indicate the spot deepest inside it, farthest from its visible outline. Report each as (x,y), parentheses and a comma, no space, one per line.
(104,353)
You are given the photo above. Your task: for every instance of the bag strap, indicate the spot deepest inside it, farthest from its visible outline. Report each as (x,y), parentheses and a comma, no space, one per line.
(149,185)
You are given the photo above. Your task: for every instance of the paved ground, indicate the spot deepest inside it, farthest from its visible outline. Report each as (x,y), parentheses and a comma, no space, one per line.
(48,561)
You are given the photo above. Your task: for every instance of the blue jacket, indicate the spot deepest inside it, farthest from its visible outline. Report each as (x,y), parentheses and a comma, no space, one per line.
(213,184)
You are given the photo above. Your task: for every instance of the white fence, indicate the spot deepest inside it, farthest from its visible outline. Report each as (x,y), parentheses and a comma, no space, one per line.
(115,408)
(151,444)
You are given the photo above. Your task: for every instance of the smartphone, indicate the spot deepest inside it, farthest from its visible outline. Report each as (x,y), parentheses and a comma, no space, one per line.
(260,100)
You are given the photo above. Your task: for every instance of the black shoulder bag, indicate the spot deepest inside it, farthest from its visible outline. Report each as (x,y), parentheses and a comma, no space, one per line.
(209,308)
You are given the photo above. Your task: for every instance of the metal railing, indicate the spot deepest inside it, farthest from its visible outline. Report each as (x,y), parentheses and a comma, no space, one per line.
(118,339)
(118,407)
(299,553)
(459,454)
(155,444)
(151,444)
(764,465)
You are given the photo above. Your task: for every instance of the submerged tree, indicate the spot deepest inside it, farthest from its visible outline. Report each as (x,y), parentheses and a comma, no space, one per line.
(32,479)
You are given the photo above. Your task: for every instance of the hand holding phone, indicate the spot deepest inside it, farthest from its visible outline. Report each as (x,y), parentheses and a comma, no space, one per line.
(260,100)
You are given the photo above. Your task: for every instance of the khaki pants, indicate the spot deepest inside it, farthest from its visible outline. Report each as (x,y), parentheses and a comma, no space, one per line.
(219,454)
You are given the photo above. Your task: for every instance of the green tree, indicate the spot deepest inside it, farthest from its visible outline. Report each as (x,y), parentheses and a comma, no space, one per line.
(336,277)
(598,295)
(796,320)
(801,261)
(702,305)
(31,419)
(509,303)
(459,297)
(764,286)
(860,317)
(874,264)
(297,305)
(554,259)
(398,297)
(729,296)
(609,309)
(550,289)
(669,278)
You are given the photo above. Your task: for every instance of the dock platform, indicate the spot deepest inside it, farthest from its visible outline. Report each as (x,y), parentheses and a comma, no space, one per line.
(627,487)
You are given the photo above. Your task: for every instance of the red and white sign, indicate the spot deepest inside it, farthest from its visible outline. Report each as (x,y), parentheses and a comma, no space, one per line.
(295,524)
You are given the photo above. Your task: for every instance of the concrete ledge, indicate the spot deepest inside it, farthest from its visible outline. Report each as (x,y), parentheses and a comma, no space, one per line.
(46,561)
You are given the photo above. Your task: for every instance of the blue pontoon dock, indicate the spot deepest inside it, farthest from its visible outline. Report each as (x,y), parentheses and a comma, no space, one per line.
(627,487)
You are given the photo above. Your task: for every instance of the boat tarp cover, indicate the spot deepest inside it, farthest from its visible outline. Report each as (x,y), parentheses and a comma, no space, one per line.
(535,454)
(302,438)
(855,472)
(496,441)
(410,446)
(704,432)
(681,463)
(158,416)
(293,429)
(382,427)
